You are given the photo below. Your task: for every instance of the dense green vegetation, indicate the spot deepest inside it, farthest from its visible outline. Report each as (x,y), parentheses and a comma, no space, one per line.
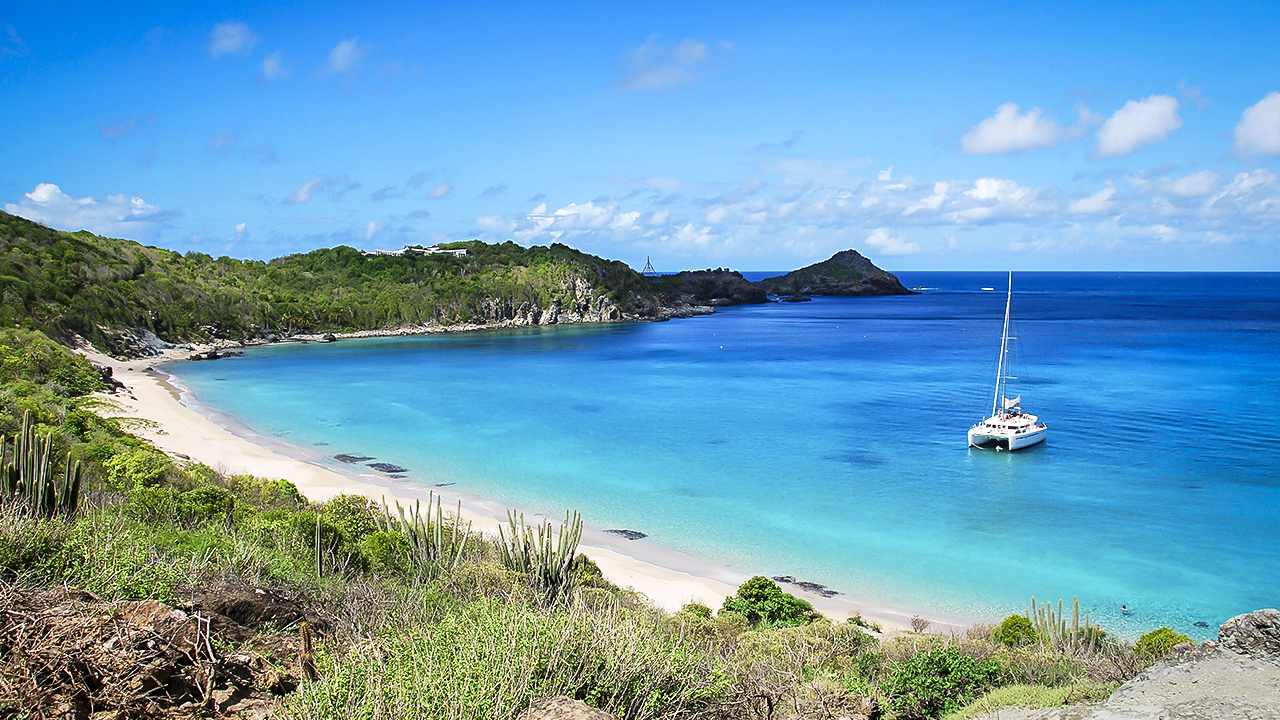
(428,619)
(65,283)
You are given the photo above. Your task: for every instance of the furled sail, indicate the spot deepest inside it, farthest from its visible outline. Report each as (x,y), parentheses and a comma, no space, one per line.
(1012,402)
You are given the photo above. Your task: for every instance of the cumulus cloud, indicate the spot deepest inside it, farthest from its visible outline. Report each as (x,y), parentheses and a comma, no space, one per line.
(1098,202)
(1138,123)
(335,187)
(653,67)
(1258,132)
(993,199)
(891,242)
(114,215)
(345,56)
(231,38)
(439,191)
(273,68)
(1009,131)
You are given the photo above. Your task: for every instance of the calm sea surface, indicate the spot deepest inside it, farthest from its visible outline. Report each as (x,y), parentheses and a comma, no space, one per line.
(826,440)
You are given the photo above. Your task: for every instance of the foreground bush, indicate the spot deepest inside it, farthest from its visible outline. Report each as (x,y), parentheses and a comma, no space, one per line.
(491,659)
(762,602)
(1015,631)
(1159,643)
(940,681)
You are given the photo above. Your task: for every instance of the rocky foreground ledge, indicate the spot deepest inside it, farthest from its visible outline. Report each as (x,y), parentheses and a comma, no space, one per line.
(1235,678)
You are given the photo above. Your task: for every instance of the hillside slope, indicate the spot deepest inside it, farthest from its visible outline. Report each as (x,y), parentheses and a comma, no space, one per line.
(105,289)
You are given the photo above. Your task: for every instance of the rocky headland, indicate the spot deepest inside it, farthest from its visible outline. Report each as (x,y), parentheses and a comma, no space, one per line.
(845,273)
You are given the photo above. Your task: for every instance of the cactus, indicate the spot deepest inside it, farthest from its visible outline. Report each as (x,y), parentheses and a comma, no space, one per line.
(551,565)
(1054,629)
(28,474)
(427,535)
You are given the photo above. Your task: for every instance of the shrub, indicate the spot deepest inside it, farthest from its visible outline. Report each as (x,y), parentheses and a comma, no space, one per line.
(207,502)
(940,681)
(697,610)
(385,552)
(1158,643)
(1015,631)
(762,602)
(136,468)
(352,516)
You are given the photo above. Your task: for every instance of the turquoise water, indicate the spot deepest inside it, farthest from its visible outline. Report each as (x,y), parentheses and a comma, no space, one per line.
(826,440)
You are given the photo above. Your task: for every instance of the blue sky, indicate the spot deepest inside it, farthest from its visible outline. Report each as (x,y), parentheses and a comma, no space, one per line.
(758,136)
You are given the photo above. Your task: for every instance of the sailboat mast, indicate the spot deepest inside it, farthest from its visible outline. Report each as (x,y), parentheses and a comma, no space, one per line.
(1004,346)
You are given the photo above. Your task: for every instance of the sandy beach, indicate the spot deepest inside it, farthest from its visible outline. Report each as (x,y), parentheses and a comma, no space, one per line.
(668,578)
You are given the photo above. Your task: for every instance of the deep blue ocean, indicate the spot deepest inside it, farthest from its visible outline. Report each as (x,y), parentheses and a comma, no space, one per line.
(826,439)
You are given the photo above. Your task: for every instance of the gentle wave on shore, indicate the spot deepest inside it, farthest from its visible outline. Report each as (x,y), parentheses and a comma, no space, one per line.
(825,440)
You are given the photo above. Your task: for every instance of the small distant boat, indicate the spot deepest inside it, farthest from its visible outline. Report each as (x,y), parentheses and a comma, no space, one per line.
(987,288)
(1009,427)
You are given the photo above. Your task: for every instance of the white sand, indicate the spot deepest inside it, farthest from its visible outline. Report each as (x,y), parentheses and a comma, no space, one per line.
(668,578)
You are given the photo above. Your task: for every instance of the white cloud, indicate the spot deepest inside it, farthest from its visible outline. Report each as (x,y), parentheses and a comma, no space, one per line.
(1258,132)
(933,202)
(718,214)
(495,225)
(1194,185)
(335,187)
(890,242)
(241,233)
(652,67)
(345,56)
(1098,202)
(992,199)
(885,175)
(440,191)
(231,38)
(303,193)
(1009,131)
(1137,123)
(114,215)
(371,229)
(273,68)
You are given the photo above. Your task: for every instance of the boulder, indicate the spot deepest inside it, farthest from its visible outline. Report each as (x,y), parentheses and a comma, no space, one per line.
(1256,634)
(562,707)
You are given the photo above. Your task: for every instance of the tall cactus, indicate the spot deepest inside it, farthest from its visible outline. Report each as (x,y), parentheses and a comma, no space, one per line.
(536,552)
(28,474)
(1053,626)
(427,535)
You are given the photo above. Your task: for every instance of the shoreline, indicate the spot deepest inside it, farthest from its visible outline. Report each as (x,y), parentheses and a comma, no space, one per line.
(181,426)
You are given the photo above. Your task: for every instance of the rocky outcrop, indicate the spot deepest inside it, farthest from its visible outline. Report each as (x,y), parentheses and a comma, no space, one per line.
(1235,678)
(714,288)
(578,303)
(845,273)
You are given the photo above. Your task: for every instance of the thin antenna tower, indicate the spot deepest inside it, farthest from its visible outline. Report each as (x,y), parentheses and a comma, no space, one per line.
(648,270)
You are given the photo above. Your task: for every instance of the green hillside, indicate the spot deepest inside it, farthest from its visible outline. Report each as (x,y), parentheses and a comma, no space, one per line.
(64,283)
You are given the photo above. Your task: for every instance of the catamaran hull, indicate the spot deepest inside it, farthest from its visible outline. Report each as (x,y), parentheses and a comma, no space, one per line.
(980,439)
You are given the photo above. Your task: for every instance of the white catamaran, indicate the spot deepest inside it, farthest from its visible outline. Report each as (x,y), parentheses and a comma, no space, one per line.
(1008,428)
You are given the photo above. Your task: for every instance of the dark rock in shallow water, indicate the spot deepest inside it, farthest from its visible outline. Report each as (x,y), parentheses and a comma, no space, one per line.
(812,587)
(398,476)
(445,484)
(1201,624)
(628,534)
(387,467)
(351,459)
